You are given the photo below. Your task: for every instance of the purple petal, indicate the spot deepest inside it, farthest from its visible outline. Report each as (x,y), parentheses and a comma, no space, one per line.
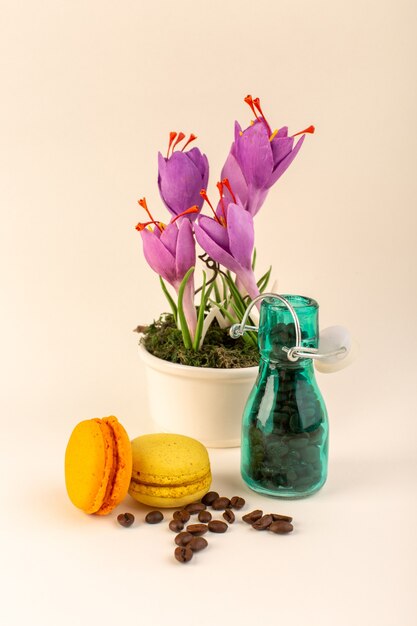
(158,257)
(281,146)
(256,199)
(185,253)
(216,231)
(169,238)
(216,252)
(204,181)
(232,171)
(199,160)
(238,133)
(254,155)
(179,184)
(247,278)
(241,234)
(285,163)
(283,132)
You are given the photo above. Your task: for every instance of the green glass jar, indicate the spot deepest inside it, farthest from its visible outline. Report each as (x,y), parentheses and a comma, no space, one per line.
(285,428)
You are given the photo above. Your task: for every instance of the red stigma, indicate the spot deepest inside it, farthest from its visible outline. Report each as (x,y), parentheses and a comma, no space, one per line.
(192,209)
(257,103)
(190,139)
(220,186)
(142,225)
(249,101)
(203,194)
(310,130)
(228,186)
(179,138)
(172,136)
(143,204)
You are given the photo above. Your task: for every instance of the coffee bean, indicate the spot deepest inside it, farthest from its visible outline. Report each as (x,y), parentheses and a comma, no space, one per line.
(176,525)
(210,497)
(311,454)
(237,503)
(195,507)
(183,554)
(281,527)
(219,504)
(204,517)
(229,516)
(154,517)
(198,543)
(263,523)
(197,529)
(126,519)
(252,517)
(298,442)
(217,526)
(182,539)
(182,516)
(281,518)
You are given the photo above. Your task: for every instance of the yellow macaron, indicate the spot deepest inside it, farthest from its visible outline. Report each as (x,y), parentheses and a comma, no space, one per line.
(169,470)
(98,465)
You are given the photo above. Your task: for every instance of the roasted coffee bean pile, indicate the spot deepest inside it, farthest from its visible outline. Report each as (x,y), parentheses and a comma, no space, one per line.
(279,524)
(191,540)
(188,536)
(288,457)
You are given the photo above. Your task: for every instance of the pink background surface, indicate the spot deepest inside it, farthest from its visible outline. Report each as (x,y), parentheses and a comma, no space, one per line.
(89,93)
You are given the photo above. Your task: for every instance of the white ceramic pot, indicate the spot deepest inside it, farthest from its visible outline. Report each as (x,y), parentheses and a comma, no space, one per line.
(202,402)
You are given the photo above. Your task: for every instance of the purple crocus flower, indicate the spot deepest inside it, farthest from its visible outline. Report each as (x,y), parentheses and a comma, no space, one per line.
(258,158)
(228,239)
(170,252)
(181,176)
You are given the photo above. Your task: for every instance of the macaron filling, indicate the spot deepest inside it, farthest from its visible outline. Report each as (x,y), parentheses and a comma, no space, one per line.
(113,463)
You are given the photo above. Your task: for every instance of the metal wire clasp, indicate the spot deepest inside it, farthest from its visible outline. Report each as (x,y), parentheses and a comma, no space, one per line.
(295,352)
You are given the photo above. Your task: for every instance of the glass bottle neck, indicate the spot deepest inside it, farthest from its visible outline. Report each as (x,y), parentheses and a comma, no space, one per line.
(301,364)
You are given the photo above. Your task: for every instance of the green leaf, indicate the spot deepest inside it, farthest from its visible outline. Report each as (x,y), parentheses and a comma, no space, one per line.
(216,290)
(224,287)
(200,319)
(183,322)
(254,259)
(171,302)
(237,297)
(225,312)
(263,281)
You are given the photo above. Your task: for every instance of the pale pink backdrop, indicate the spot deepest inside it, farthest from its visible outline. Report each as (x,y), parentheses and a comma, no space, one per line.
(89,93)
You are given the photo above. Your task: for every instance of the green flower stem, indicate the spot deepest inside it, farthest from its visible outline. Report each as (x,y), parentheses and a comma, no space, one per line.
(183,322)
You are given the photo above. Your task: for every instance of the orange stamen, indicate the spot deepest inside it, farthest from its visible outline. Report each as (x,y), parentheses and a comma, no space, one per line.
(192,209)
(203,194)
(257,103)
(228,186)
(310,130)
(249,100)
(179,138)
(191,138)
(172,136)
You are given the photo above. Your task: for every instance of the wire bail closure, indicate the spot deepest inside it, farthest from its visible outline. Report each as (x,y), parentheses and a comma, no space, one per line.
(295,352)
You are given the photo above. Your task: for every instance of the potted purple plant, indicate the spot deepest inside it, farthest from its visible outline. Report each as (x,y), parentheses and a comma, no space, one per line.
(206,376)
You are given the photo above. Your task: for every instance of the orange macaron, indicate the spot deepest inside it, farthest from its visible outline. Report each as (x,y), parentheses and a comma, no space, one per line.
(98,465)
